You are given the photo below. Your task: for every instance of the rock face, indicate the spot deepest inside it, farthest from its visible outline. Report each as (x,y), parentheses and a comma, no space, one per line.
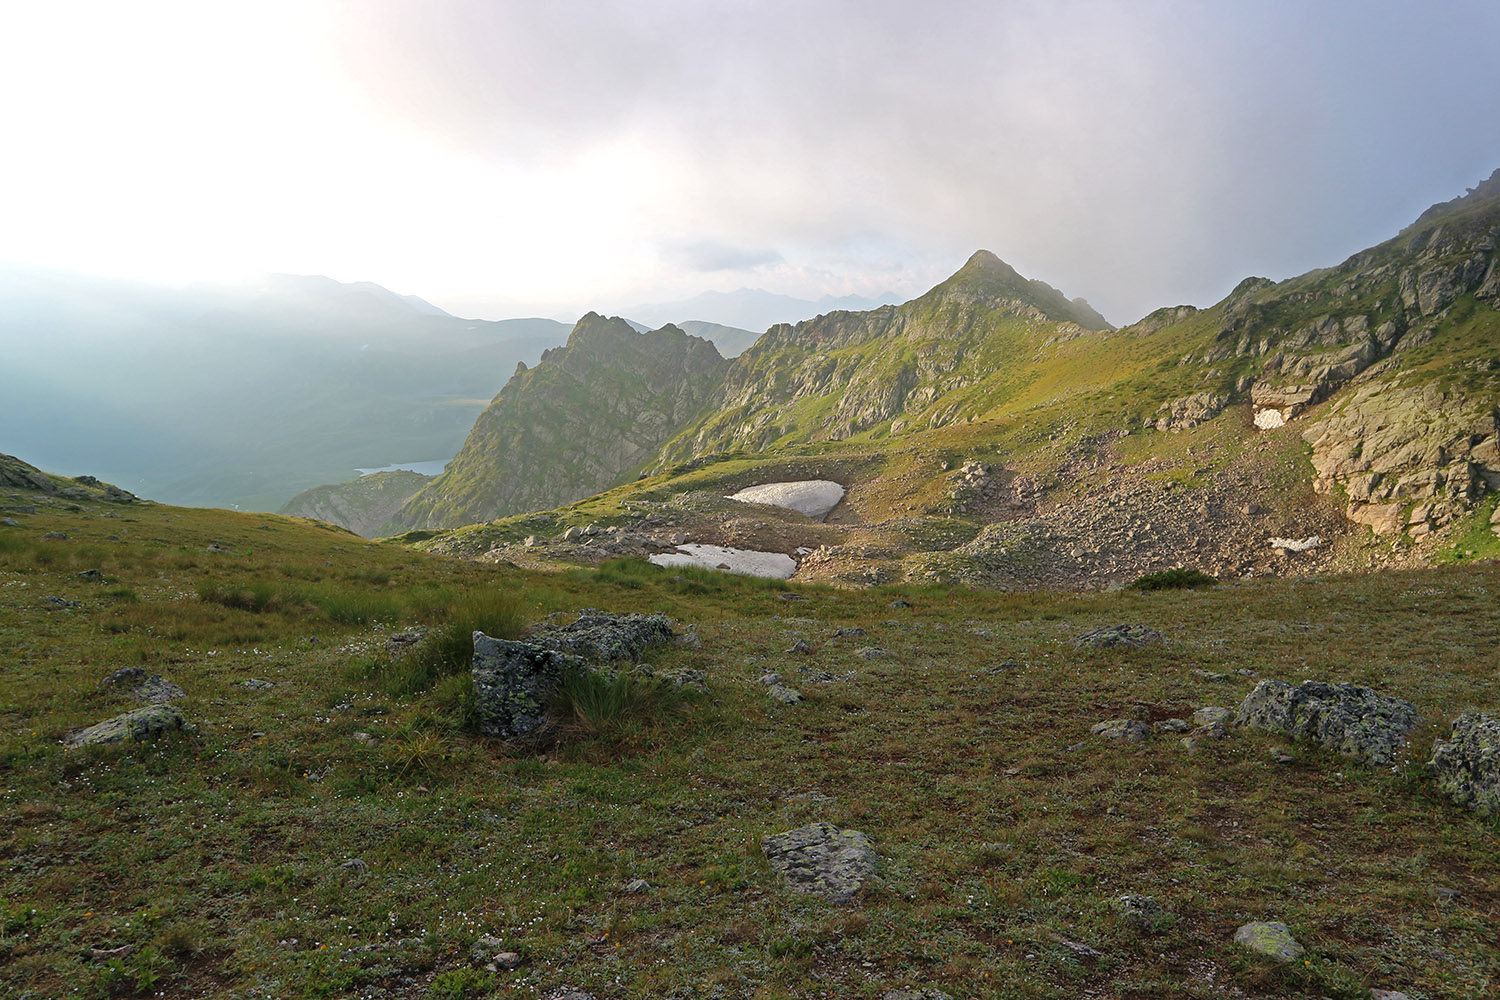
(136,726)
(1348,718)
(1419,448)
(362,505)
(1466,766)
(604,637)
(572,426)
(512,684)
(1274,940)
(823,860)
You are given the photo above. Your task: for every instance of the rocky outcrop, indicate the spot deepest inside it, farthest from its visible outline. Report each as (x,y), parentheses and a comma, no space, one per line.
(822,860)
(1348,718)
(1408,458)
(603,637)
(1189,411)
(1466,766)
(362,505)
(574,425)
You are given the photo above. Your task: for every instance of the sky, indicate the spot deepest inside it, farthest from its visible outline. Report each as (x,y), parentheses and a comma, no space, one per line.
(546,158)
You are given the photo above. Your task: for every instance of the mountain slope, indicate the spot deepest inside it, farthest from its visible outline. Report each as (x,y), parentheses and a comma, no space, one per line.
(587,414)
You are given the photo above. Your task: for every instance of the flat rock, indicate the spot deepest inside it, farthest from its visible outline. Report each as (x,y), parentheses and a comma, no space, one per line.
(1274,940)
(1348,718)
(136,726)
(1115,636)
(822,860)
(512,684)
(604,637)
(1466,766)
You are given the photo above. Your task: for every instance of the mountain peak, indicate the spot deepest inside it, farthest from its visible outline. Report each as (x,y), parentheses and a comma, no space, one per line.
(987,275)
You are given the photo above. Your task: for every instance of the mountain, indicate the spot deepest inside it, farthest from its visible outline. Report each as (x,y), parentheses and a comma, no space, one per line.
(246,395)
(750,308)
(587,414)
(995,432)
(362,505)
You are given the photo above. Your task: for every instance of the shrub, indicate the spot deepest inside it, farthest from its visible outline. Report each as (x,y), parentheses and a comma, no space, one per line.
(1181,578)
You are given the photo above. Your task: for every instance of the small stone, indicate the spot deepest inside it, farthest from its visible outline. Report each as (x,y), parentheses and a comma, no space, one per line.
(56,536)
(1141,912)
(363,738)
(925,993)
(1190,744)
(92,576)
(570,993)
(355,865)
(899,603)
(637,885)
(1274,940)
(1003,667)
(1443,894)
(504,960)
(688,677)
(1387,995)
(1126,730)
(55,603)
(768,679)
(1080,949)
(783,694)
(1216,676)
(1172,726)
(849,633)
(216,547)
(10,522)
(800,646)
(872,653)
(256,684)
(787,595)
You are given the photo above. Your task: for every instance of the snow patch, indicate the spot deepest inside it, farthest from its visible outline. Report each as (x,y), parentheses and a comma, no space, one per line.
(1269,419)
(813,497)
(774,565)
(1296,544)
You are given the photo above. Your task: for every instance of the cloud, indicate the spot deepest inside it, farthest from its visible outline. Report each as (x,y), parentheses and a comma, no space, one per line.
(707,256)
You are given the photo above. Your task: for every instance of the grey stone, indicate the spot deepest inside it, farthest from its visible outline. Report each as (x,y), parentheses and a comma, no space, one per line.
(256,684)
(783,694)
(512,684)
(570,993)
(872,653)
(1274,940)
(91,575)
(1081,950)
(924,993)
(135,682)
(800,646)
(135,726)
(10,522)
(1172,726)
(1123,635)
(1126,730)
(859,633)
(1210,714)
(688,677)
(1466,766)
(637,885)
(55,603)
(491,953)
(604,637)
(1351,719)
(1387,995)
(55,536)
(822,860)
(355,865)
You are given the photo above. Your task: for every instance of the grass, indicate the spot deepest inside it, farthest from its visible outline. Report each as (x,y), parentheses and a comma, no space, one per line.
(342,833)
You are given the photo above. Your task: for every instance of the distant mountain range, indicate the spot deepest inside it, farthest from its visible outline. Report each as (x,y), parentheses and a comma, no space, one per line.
(749,309)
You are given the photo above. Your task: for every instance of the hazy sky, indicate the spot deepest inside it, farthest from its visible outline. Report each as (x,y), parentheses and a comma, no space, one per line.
(507,158)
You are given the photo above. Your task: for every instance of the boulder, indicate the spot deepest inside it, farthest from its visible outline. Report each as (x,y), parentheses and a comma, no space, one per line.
(822,860)
(603,637)
(135,682)
(1112,636)
(1351,719)
(1274,940)
(136,726)
(1125,730)
(512,684)
(1189,411)
(1466,766)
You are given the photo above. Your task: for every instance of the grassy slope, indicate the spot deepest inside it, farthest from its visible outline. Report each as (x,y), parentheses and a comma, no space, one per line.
(219,853)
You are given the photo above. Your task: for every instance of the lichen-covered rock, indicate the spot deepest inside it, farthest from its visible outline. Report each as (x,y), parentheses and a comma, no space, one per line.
(1348,718)
(1466,766)
(512,684)
(136,726)
(1125,730)
(604,637)
(1112,636)
(1274,940)
(135,682)
(822,859)
(1189,411)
